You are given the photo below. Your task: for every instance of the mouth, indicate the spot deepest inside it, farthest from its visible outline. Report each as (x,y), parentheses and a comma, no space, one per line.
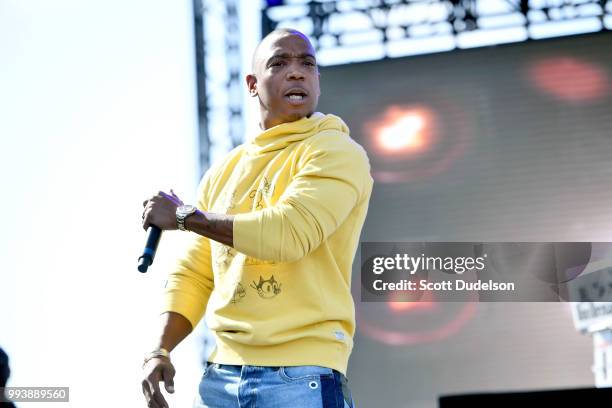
(296,96)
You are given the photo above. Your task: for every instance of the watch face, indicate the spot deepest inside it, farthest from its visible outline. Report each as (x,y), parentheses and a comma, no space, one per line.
(186,209)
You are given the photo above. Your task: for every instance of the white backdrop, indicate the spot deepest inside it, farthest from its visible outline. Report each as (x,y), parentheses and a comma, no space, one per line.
(97,112)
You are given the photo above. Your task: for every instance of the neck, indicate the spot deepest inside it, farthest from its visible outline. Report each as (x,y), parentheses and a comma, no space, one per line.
(266,122)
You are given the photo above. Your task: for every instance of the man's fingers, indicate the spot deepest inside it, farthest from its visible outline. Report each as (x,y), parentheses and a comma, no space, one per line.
(145,219)
(146,210)
(159,194)
(169,386)
(168,378)
(158,398)
(167,196)
(148,397)
(152,199)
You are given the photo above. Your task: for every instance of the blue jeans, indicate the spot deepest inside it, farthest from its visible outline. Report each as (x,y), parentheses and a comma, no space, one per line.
(235,386)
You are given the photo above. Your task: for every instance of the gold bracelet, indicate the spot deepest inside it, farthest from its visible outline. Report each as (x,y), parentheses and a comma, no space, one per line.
(161,352)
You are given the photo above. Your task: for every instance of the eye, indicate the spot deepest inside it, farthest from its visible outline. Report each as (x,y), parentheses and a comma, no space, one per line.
(276,63)
(309,63)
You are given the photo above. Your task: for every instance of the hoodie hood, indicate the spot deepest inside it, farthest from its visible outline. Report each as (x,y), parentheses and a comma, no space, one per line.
(281,136)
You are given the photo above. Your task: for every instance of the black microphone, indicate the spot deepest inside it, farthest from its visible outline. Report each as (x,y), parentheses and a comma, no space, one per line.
(146,259)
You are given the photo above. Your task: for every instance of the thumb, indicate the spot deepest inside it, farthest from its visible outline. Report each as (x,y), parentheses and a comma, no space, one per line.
(168,378)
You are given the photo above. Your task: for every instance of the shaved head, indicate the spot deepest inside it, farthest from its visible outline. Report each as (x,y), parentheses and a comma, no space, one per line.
(284,77)
(265,42)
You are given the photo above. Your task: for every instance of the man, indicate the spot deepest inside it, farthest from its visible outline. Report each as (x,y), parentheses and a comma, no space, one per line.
(276,229)
(5,373)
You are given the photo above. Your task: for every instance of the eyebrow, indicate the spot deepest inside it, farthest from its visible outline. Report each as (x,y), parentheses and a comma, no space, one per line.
(287,55)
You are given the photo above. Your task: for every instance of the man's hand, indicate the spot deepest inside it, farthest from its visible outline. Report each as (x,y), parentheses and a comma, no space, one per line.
(160,210)
(155,370)
(174,328)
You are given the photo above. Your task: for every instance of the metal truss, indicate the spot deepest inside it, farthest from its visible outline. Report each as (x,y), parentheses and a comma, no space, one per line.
(334,24)
(203,140)
(218,67)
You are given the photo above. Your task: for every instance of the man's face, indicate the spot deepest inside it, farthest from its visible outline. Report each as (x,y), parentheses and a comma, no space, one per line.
(286,79)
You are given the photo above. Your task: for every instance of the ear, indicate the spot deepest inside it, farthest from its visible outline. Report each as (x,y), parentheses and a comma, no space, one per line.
(251,82)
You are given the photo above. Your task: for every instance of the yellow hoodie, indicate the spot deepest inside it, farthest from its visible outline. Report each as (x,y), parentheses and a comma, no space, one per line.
(281,296)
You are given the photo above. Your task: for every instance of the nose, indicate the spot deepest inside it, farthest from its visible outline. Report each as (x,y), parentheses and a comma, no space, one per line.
(294,72)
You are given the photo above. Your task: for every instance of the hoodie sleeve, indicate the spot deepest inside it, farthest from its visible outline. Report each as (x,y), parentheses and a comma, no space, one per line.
(332,179)
(191,283)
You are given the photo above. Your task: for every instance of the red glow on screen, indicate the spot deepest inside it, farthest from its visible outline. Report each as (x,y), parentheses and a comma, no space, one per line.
(383,331)
(569,79)
(404,130)
(400,307)
(413,142)
(401,302)
(404,319)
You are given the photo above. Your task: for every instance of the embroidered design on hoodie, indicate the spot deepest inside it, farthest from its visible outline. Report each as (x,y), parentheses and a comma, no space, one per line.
(239,293)
(265,190)
(249,260)
(228,204)
(268,288)
(224,255)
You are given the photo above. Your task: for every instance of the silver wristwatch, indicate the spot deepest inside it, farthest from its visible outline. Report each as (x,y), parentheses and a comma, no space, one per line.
(182,213)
